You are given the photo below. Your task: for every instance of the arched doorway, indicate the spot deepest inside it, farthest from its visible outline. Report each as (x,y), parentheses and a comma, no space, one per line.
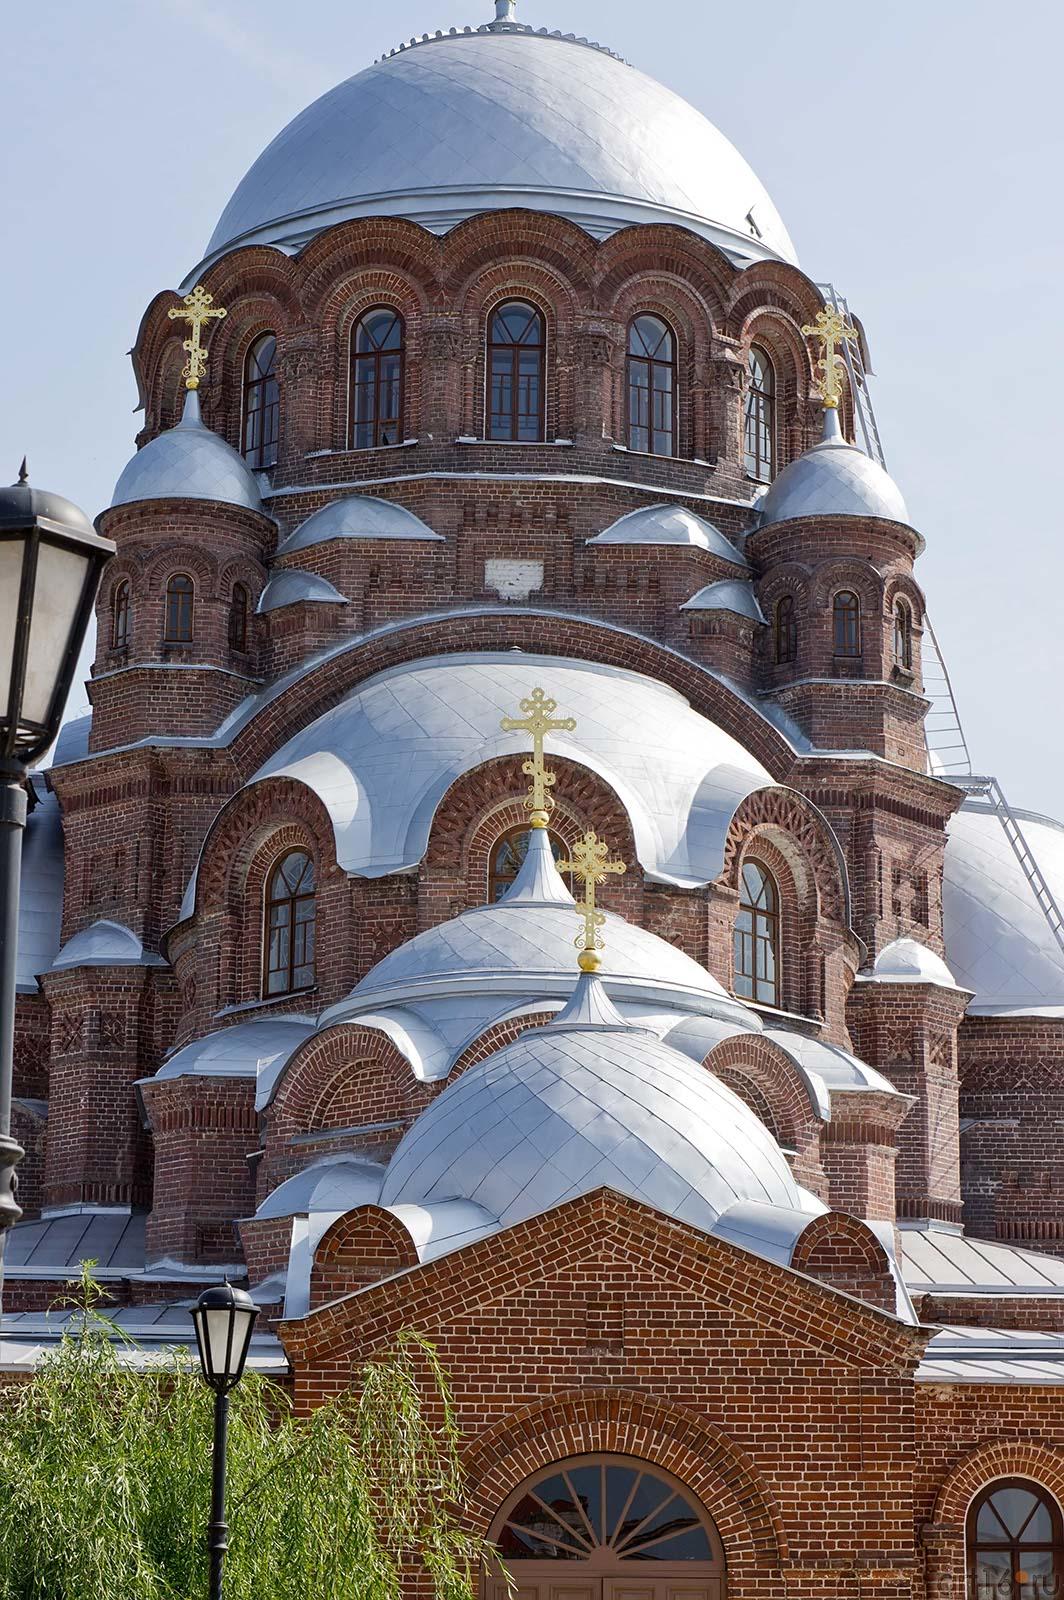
(607,1528)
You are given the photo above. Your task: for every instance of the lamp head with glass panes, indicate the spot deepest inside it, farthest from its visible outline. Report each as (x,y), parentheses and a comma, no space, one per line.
(224,1320)
(50,563)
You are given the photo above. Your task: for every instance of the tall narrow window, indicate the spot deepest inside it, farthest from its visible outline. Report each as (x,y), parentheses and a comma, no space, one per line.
(1015,1539)
(756,952)
(378,352)
(120,616)
(846,624)
(516,354)
(177,627)
(651,387)
(290,914)
(507,857)
(238,618)
(903,636)
(786,629)
(262,404)
(760,421)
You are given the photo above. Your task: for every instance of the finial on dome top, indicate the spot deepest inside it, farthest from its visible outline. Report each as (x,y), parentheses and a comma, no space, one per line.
(538,720)
(590,861)
(197,308)
(505,10)
(23,472)
(832,330)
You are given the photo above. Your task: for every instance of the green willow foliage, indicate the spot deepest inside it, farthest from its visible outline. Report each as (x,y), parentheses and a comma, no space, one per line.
(105,1475)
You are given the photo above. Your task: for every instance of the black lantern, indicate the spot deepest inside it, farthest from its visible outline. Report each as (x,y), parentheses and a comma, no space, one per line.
(224,1319)
(50,564)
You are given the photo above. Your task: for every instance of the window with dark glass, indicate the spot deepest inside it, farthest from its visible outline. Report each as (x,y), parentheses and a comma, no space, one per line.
(759,433)
(178,622)
(846,624)
(756,952)
(516,356)
(786,629)
(605,1511)
(290,914)
(651,387)
(238,618)
(903,636)
(507,858)
(262,404)
(378,349)
(120,616)
(1015,1540)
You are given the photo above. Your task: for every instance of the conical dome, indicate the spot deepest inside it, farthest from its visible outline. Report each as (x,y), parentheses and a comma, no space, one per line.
(834,479)
(189,462)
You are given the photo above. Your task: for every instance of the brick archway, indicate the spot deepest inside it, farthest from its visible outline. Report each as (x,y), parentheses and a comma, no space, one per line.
(623,1422)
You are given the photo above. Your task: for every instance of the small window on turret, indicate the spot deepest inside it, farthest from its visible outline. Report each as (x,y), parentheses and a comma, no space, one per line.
(177,628)
(903,636)
(238,618)
(121,616)
(786,630)
(846,624)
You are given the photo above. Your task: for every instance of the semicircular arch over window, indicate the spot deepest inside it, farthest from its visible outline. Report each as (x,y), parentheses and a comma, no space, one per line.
(603,1514)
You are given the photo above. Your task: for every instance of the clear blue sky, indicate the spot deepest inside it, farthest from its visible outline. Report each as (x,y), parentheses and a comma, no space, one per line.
(913,147)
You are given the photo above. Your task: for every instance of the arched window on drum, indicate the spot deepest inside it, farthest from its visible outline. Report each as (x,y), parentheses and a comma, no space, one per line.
(1015,1543)
(651,372)
(517,353)
(291,914)
(378,373)
(756,943)
(262,404)
(759,431)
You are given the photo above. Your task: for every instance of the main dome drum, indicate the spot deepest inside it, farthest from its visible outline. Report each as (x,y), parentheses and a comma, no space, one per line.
(497,117)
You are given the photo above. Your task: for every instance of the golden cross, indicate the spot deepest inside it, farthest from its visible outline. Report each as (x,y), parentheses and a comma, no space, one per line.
(538,720)
(196,309)
(590,861)
(832,329)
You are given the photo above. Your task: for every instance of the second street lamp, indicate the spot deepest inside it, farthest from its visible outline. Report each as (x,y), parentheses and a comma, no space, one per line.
(50,564)
(224,1319)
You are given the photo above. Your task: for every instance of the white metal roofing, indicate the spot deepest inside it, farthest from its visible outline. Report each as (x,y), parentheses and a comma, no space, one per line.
(834,479)
(830,1064)
(357,516)
(53,1246)
(290,586)
(910,961)
(189,462)
(998,941)
(105,944)
(259,1049)
(383,758)
(336,1183)
(40,907)
(730,594)
(670,525)
(949,1262)
(993,1355)
(482,121)
(154,1333)
(574,1106)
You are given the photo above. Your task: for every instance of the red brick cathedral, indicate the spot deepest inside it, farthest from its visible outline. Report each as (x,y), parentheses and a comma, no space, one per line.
(499,419)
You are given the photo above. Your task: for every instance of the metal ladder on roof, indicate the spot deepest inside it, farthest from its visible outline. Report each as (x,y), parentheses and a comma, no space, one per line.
(988,788)
(858,376)
(947,748)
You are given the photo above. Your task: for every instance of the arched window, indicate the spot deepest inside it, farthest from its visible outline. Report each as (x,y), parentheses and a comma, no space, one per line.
(177,628)
(517,347)
(760,420)
(786,629)
(756,954)
(1015,1542)
(378,347)
(651,386)
(262,404)
(121,617)
(903,635)
(846,624)
(238,617)
(608,1512)
(288,963)
(507,856)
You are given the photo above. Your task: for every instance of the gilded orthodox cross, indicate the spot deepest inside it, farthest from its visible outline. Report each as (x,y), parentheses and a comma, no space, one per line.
(590,861)
(196,309)
(538,720)
(832,329)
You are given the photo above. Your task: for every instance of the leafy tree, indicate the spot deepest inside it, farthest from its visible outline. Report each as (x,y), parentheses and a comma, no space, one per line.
(105,1480)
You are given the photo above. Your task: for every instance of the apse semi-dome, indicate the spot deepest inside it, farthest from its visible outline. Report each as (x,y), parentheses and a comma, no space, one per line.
(189,462)
(834,479)
(583,1103)
(496,117)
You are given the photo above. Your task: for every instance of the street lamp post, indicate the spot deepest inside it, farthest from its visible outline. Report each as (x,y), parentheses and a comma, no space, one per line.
(224,1320)
(50,564)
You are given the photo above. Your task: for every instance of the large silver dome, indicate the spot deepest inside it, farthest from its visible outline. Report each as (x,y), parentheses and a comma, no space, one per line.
(496,117)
